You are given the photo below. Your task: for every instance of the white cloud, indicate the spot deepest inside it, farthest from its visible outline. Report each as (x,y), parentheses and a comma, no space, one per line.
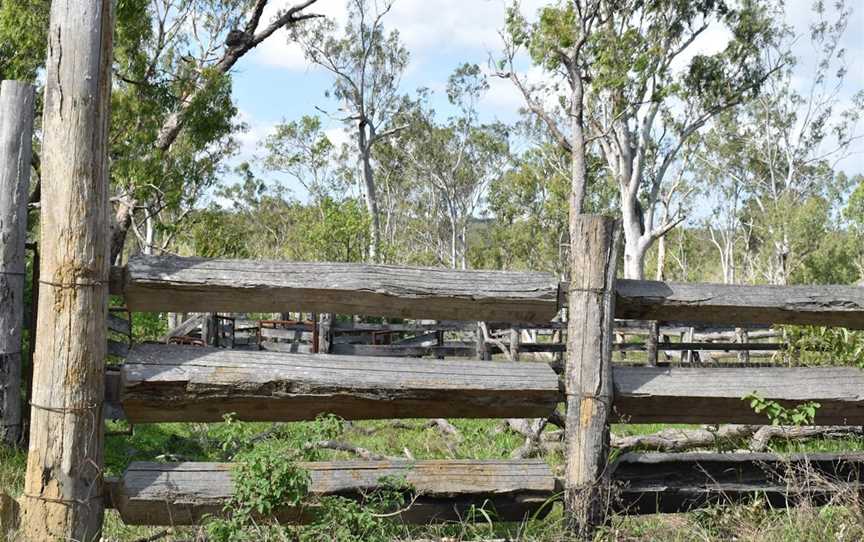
(427,28)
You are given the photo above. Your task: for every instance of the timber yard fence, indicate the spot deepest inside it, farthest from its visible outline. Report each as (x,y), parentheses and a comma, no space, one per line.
(179,383)
(204,384)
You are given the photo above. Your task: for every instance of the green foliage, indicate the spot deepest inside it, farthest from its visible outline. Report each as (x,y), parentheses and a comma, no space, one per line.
(266,480)
(802,414)
(367,520)
(23,38)
(817,345)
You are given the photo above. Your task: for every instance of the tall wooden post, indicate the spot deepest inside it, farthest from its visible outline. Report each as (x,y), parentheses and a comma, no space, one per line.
(16,136)
(62,497)
(595,241)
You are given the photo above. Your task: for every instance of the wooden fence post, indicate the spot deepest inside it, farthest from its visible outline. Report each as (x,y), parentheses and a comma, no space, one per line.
(325,332)
(588,370)
(16,136)
(515,339)
(62,497)
(651,344)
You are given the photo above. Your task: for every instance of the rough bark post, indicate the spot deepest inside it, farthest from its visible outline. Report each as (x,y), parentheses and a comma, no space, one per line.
(16,135)
(653,339)
(62,497)
(208,329)
(595,241)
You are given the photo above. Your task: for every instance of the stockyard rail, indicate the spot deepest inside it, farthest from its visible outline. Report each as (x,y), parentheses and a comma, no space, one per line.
(203,384)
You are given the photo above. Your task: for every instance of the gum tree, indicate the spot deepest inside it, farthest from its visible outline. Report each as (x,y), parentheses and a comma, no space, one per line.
(619,84)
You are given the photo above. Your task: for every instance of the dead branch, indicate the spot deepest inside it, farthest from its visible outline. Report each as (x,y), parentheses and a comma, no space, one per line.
(765,434)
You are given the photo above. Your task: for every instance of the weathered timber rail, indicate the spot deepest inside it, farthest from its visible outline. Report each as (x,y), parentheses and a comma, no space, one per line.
(185,493)
(200,285)
(740,304)
(168,283)
(658,482)
(203,384)
(714,395)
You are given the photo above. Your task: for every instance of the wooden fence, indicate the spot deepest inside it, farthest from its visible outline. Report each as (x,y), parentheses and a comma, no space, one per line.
(201,385)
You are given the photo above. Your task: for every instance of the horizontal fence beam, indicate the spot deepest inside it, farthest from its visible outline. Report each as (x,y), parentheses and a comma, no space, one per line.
(162,383)
(173,284)
(203,384)
(715,395)
(508,490)
(741,304)
(396,350)
(186,493)
(679,482)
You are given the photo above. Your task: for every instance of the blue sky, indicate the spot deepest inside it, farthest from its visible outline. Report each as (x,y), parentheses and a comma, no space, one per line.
(274,81)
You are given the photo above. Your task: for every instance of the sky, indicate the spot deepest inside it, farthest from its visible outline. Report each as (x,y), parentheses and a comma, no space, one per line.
(274,82)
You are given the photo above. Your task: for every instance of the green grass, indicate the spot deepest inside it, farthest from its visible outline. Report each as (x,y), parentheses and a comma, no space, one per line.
(480,439)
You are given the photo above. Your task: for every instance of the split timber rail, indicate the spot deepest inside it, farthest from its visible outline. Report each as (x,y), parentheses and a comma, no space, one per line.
(203,384)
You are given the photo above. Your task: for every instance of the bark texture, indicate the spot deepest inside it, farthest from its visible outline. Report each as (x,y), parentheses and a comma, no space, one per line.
(63,485)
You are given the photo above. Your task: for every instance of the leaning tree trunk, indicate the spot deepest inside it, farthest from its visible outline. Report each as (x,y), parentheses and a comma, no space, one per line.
(63,497)
(16,133)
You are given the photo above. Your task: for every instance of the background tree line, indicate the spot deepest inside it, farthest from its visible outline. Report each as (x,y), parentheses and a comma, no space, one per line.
(719,166)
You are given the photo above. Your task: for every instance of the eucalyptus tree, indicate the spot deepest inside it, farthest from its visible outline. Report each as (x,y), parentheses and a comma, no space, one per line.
(367,64)
(173,118)
(455,161)
(616,86)
(303,151)
(782,150)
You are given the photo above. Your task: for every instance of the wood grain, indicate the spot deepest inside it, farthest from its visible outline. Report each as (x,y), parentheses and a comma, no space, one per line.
(741,304)
(594,247)
(184,493)
(714,395)
(203,384)
(198,285)
(16,135)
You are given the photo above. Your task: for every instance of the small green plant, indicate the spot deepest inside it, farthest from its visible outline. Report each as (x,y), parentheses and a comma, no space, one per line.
(369,519)
(802,414)
(266,480)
